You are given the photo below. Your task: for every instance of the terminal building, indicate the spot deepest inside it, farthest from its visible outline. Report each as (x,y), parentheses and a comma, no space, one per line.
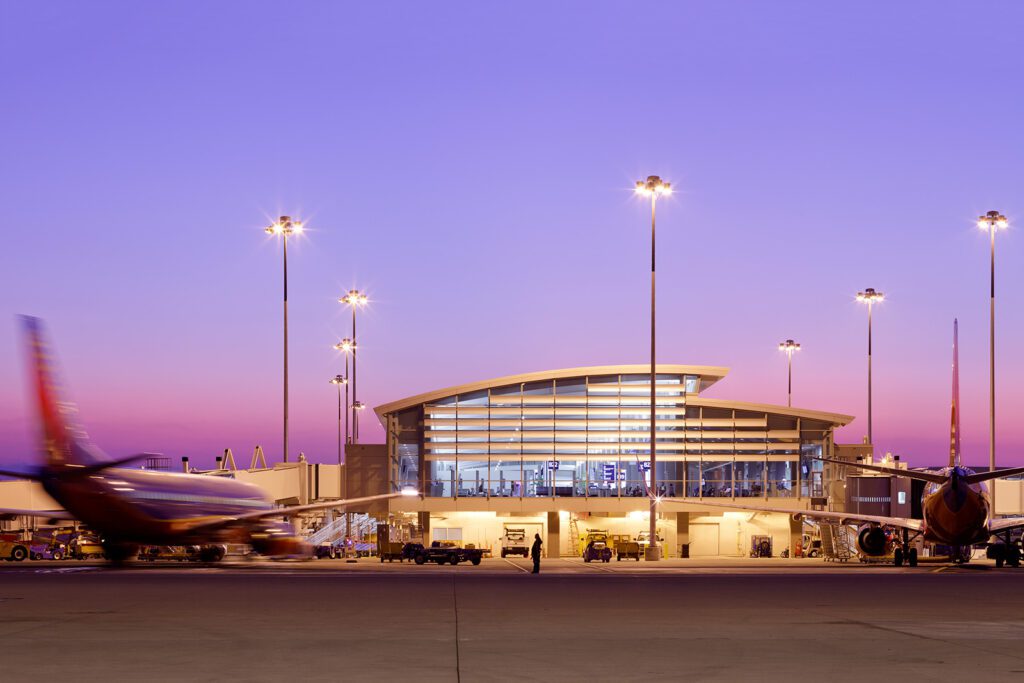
(563,452)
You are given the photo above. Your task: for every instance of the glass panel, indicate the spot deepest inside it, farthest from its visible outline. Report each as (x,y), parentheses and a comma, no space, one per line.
(441,479)
(782,478)
(602,479)
(693,479)
(749,479)
(476,398)
(505,478)
(472,480)
(636,477)
(534,477)
(408,465)
(670,479)
(811,471)
(574,471)
(716,478)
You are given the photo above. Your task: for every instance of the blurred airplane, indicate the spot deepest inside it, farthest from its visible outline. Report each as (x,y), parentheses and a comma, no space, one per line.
(956,508)
(133,507)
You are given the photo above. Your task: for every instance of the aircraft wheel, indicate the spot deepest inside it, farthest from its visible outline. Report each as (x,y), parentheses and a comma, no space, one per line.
(912,557)
(897,557)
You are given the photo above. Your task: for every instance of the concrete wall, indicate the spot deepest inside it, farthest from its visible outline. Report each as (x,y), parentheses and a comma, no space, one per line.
(729,534)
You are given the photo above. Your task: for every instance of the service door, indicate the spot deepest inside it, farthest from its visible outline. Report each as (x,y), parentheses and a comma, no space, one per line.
(704,540)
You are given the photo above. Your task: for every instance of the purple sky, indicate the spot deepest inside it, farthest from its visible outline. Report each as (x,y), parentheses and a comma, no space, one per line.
(470,166)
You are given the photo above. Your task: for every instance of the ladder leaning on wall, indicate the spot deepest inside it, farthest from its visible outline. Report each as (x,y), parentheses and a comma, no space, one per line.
(574,535)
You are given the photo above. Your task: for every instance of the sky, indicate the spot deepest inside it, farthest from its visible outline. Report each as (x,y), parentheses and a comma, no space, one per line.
(469,165)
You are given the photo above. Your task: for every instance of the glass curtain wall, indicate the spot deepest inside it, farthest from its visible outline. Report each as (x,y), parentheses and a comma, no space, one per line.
(590,437)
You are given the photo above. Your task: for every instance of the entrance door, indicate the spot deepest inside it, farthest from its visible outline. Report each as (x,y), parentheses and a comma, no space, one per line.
(704,540)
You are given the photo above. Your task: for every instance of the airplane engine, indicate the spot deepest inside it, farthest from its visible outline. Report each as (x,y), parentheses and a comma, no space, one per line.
(279,540)
(873,540)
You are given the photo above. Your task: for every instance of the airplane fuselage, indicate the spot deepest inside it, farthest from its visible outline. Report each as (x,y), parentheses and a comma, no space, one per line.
(955,512)
(147,507)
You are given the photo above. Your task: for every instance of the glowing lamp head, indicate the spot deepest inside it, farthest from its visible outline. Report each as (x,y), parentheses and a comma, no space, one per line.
(345,345)
(993,220)
(339,379)
(870,296)
(789,346)
(284,226)
(652,187)
(354,298)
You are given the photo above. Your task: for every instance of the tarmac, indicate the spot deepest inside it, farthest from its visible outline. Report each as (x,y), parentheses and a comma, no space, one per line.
(700,620)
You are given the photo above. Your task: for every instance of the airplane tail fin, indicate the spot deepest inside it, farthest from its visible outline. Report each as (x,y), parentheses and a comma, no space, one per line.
(64,442)
(954,420)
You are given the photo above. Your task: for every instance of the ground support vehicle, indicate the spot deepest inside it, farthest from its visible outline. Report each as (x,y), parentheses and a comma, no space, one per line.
(183,553)
(513,542)
(328,551)
(13,550)
(627,549)
(442,554)
(410,551)
(48,551)
(391,551)
(174,553)
(760,546)
(644,539)
(85,547)
(597,551)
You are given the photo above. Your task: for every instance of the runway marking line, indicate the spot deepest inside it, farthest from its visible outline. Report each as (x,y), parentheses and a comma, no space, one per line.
(522,569)
(592,566)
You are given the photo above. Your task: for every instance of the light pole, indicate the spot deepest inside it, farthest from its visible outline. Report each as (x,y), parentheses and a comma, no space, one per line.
(653,187)
(789,346)
(357,407)
(284,227)
(355,299)
(346,346)
(339,380)
(992,221)
(870,297)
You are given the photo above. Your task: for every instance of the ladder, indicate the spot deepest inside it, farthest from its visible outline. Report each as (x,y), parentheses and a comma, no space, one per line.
(835,542)
(574,536)
(330,532)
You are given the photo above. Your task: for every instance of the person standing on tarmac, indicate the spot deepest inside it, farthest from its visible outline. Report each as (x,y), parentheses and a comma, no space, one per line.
(535,553)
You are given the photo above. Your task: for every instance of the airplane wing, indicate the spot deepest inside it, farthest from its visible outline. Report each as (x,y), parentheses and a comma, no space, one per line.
(1005,524)
(42,514)
(212,523)
(933,477)
(994,474)
(840,517)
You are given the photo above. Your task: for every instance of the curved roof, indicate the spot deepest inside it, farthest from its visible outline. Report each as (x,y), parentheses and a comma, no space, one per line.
(708,374)
(837,419)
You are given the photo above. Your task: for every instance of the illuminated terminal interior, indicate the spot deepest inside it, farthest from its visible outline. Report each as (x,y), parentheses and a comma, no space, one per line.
(560,446)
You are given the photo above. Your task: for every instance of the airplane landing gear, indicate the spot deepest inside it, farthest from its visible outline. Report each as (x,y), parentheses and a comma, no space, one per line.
(904,552)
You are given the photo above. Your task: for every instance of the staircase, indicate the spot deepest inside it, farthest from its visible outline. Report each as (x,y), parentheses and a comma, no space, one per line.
(330,532)
(836,544)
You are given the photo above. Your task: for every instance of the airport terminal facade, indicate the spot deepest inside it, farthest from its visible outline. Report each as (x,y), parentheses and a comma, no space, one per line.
(565,451)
